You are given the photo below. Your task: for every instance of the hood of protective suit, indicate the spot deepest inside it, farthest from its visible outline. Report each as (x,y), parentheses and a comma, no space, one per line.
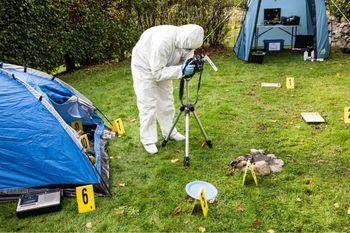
(189,36)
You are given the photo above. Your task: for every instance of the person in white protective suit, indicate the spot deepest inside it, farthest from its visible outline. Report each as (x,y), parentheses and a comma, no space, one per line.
(157,59)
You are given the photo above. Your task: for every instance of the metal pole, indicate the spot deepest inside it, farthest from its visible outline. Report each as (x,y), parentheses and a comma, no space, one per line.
(187,124)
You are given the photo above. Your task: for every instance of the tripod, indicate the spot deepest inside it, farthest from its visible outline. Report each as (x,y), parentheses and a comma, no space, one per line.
(187,107)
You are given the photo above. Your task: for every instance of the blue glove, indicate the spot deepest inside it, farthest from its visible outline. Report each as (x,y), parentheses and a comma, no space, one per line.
(188,69)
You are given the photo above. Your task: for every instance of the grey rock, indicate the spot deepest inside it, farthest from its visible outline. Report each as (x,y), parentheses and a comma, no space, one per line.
(241,164)
(261,168)
(254,151)
(343,20)
(261,151)
(272,156)
(277,165)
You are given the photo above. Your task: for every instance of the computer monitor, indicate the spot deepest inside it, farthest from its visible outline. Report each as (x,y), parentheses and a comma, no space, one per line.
(272,14)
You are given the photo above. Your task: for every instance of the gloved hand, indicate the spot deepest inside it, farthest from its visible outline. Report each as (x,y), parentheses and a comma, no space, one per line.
(188,69)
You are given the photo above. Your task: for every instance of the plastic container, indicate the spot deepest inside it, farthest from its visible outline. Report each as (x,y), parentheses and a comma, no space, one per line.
(306,55)
(257,57)
(273,45)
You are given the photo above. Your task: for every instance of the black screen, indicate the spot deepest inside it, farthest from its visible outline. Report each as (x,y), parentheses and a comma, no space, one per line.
(273,14)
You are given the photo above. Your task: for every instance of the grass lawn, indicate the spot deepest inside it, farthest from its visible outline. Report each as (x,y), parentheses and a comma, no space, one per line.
(310,194)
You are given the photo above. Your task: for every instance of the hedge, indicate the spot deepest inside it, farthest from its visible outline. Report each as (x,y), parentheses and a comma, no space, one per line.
(45,34)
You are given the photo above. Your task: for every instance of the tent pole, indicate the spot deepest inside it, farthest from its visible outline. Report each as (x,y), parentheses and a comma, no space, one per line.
(255,31)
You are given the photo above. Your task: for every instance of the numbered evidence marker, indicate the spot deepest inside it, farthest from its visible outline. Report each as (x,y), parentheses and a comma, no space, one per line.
(85,142)
(290,83)
(347,115)
(118,127)
(249,166)
(77,125)
(85,198)
(203,203)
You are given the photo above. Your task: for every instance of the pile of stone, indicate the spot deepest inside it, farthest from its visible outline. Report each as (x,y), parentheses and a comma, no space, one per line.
(262,164)
(339,32)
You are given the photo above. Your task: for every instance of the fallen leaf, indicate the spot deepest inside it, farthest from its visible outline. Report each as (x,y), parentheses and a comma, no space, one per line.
(121,184)
(349,210)
(43,220)
(273,121)
(175,160)
(298,199)
(240,208)
(256,223)
(186,221)
(176,211)
(251,93)
(178,150)
(133,120)
(88,225)
(119,211)
(201,229)
(336,205)
(270,231)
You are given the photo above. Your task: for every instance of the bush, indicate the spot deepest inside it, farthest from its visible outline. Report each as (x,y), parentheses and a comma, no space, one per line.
(31,33)
(211,15)
(45,34)
(344,8)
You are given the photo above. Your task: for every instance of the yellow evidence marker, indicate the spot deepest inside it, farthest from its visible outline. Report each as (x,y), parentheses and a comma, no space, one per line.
(77,125)
(346,115)
(203,201)
(85,198)
(290,83)
(249,166)
(85,142)
(118,127)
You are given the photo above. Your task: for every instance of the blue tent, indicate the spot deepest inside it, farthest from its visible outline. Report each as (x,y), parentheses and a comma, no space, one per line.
(257,28)
(38,147)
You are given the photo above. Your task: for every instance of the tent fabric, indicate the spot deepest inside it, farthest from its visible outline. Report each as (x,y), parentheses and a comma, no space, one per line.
(313,21)
(322,30)
(37,145)
(245,37)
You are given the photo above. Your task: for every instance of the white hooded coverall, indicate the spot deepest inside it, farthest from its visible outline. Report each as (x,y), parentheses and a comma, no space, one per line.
(156,60)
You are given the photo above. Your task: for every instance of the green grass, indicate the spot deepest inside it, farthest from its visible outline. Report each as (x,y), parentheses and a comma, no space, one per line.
(238,114)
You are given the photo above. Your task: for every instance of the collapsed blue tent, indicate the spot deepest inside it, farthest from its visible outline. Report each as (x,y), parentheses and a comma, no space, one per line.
(38,147)
(255,28)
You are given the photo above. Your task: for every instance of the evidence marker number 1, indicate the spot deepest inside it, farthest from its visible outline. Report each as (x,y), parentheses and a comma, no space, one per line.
(290,83)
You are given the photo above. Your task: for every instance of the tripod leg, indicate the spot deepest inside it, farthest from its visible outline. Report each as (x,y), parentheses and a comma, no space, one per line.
(165,141)
(207,140)
(187,140)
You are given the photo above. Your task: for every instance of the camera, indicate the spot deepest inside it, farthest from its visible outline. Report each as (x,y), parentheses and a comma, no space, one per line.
(198,62)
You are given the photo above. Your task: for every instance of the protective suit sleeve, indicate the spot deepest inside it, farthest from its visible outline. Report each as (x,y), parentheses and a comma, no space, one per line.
(189,55)
(158,63)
